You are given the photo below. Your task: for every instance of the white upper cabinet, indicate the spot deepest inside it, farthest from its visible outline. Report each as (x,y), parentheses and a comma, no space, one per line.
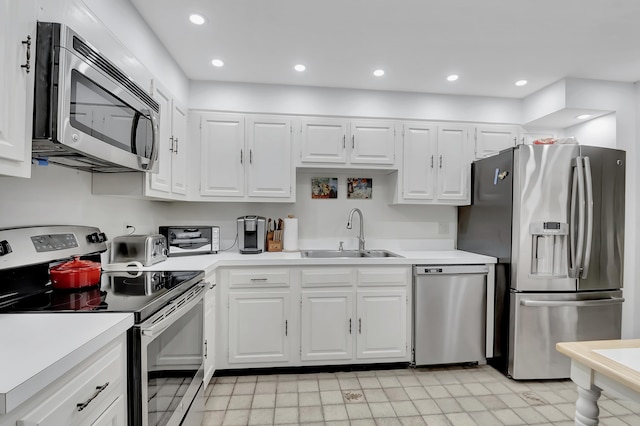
(17,55)
(323,141)
(222,155)
(270,168)
(436,164)
(372,142)
(340,142)
(490,140)
(246,158)
(171,179)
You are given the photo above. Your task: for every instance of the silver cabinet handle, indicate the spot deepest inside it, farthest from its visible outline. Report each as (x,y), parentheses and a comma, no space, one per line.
(171,145)
(441,161)
(205,349)
(27,65)
(81,406)
(432,161)
(241,155)
(589,201)
(359,325)
(286,327)
(353,141)
(569,303)
(344,141)
(176,149)
(259,279)
(250,156)
(349,325)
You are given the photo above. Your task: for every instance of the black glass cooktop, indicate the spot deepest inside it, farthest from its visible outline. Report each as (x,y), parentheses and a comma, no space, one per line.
(139,292)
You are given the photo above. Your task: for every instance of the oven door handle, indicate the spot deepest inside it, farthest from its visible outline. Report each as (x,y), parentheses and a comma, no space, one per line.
(173,311)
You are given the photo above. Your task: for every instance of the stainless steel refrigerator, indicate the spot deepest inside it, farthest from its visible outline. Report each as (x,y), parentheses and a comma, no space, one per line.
(553,215)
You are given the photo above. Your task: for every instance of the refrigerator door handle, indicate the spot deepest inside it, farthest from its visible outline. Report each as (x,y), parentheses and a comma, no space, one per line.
(581,213)
(572,225)
(589,205)
(577,303)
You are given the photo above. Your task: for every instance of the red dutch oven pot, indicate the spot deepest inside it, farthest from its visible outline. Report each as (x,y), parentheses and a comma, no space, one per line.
(75,274)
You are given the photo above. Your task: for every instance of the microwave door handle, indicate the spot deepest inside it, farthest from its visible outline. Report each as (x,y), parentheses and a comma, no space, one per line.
(572,224)
(589,207)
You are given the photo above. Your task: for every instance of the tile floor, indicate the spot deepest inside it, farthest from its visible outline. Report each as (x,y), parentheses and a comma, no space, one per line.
(461,395)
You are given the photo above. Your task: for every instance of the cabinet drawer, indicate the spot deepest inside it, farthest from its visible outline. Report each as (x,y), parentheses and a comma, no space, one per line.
(85,397)
(259,278)
(327,277)
(383,276)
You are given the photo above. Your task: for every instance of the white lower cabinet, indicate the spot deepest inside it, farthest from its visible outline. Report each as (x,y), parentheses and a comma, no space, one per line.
(258,326)
(92,393)
(325,315)
(382,324)
(326,325)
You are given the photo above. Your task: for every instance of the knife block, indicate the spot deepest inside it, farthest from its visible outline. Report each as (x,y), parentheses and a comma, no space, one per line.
(273,245)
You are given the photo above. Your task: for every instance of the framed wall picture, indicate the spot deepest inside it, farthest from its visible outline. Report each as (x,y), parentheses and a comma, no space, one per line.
(359,188)
(324,187)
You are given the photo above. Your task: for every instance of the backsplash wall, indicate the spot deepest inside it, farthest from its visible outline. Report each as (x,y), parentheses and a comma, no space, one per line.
(58,195)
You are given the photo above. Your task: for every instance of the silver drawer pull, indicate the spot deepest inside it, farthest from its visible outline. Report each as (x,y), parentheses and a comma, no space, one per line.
(570,303)
(85,404)
(259,279)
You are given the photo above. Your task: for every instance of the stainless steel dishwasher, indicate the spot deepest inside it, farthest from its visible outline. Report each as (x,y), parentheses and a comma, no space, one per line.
(449,313)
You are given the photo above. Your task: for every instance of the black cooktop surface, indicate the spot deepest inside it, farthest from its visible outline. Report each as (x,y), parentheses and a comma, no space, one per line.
(139,292)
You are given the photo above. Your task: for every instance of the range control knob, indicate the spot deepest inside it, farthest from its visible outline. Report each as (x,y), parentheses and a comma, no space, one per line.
(5,248)
(102,237)
(93,238)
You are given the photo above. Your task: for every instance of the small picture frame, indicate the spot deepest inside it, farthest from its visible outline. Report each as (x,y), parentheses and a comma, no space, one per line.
(360,188)
(324,187)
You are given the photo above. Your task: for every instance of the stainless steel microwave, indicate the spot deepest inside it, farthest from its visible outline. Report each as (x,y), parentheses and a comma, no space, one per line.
(88,114)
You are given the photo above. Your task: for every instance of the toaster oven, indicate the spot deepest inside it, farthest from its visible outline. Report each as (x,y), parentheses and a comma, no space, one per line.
(190,240)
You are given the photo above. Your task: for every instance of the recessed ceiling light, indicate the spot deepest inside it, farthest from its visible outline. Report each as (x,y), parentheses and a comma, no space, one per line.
(299,68)
(521,82)
(452,77)
(196,19)
(583,116)
(378,73)
(217,62)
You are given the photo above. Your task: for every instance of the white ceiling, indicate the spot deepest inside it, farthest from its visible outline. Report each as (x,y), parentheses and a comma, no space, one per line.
(489,43)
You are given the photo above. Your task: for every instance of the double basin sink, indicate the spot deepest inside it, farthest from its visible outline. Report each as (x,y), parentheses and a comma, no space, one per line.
(349,254)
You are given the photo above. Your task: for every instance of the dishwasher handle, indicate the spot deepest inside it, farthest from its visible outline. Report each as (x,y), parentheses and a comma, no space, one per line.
(450,269)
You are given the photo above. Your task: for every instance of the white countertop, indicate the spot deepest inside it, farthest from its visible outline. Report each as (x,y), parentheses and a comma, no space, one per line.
(209,262)
(37,349)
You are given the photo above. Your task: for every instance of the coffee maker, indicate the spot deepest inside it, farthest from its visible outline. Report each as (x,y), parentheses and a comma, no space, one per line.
(251,234)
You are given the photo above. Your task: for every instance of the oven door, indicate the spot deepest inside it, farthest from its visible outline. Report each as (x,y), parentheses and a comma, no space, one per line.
(102,113)
(172,370)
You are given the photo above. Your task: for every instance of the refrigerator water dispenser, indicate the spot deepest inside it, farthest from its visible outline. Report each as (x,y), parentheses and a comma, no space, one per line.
(549,249)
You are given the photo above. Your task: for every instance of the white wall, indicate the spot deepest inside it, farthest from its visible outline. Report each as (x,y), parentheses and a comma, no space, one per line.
(61,196)
(600,131)
(322,222)
(278,99)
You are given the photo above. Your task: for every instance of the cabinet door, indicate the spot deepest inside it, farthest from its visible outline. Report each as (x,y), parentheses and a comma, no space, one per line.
(327,325)
(453,163)
(209,333)
(18,20)
(372,142)
(258,327)
(222,155)
(323,141)
(161,181)
(179,172)
(492,139)
(115,415)
(419,161)
(382,323)
(269,169)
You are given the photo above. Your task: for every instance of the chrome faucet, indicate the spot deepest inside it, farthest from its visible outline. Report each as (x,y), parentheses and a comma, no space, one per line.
(361,236)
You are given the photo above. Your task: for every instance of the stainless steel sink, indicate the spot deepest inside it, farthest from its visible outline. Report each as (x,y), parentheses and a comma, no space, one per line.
(337,254)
